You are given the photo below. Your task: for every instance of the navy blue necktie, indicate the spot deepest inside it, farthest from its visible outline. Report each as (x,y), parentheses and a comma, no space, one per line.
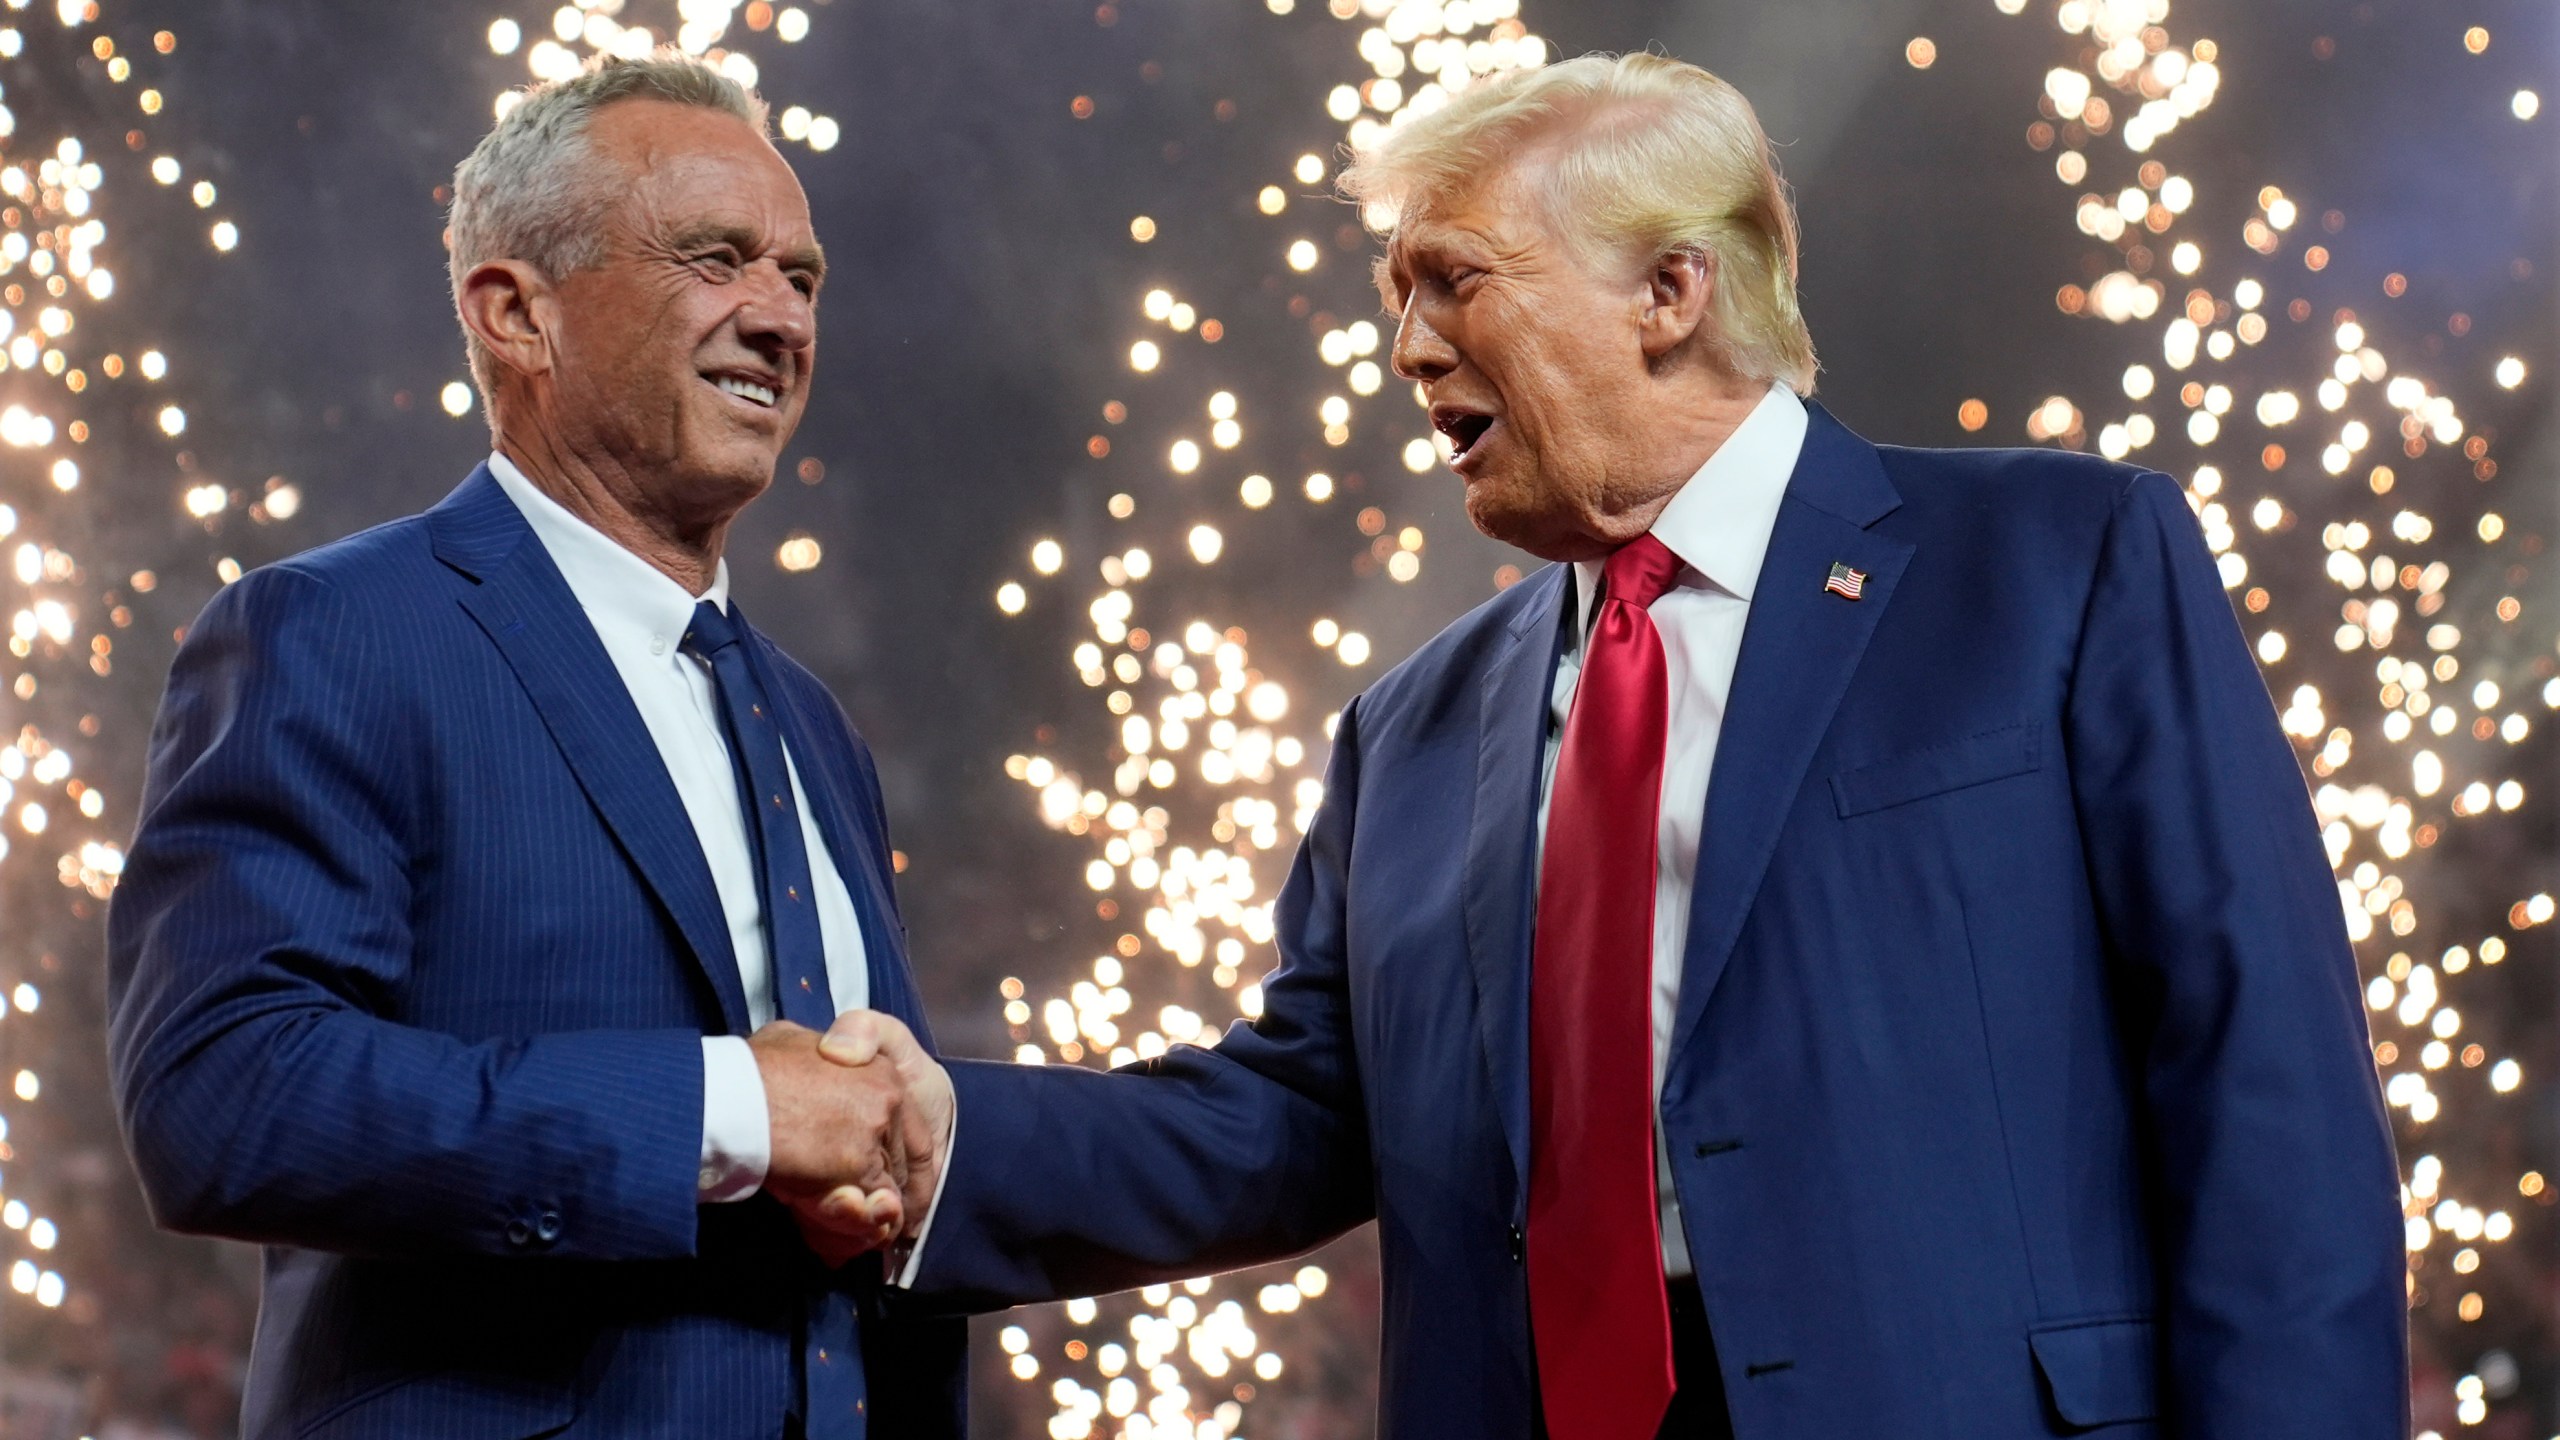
(793,941)
(832,1400)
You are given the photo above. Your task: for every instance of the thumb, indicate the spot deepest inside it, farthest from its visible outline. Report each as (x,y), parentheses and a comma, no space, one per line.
(898,1044)
(853,1040)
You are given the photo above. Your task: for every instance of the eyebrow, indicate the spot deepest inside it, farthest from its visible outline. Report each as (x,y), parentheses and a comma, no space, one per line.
(1394,266)
(810,259)
(1382,275)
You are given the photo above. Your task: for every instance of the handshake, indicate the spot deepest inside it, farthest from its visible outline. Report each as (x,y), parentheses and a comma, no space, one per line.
(861,1127)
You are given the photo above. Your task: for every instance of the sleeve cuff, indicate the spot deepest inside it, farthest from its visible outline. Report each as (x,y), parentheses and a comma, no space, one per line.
(907,1256)
(737,1135)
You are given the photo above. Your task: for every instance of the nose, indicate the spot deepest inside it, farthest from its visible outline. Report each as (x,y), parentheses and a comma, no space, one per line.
(776,318)
(1421,352)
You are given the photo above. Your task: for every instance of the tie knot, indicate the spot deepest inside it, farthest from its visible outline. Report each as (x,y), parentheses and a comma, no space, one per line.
(711,631)
(1641,571)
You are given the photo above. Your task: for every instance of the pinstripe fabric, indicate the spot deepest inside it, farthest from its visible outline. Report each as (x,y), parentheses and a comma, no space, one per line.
(408,975)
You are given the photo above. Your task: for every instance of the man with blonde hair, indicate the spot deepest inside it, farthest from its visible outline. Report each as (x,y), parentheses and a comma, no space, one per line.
(1845,952)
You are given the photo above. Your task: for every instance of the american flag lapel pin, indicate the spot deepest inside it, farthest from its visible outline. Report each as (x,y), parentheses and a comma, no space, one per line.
(1846,583)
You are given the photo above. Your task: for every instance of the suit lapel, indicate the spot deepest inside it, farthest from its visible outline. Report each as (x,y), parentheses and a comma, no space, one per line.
(860,852)
(528,612)
(1799,648)
(1501,886)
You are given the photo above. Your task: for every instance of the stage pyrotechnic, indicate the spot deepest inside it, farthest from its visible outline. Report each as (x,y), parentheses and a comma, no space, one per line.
(84,385)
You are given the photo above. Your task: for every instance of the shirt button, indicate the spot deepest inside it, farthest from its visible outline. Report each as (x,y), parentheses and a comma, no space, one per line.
(709,1178)
(657,644)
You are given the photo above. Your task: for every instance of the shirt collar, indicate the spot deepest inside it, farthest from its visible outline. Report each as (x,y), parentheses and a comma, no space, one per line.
(626,598)
(1720,520)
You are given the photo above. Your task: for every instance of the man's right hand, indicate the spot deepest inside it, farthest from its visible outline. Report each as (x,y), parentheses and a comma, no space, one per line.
(837,1130)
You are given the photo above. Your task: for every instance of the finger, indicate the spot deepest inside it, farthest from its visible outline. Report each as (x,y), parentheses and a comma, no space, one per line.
(831,1247)
(854,1039)
(846,1207)
(919,1144)
(888,1215)
(899,1044)
(859,1209)
(894,1145)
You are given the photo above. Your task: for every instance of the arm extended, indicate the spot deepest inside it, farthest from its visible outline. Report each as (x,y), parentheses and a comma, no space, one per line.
(1076,1183)
(264,913)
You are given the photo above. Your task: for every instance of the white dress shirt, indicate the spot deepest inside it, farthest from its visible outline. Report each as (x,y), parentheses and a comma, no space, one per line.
(1719,525)
(641,616)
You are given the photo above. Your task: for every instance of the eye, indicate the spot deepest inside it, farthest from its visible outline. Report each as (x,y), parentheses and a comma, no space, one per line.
(720,263)
(805,283)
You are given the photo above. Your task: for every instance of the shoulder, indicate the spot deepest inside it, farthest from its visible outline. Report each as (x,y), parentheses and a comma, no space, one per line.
(352,619)
(376,569)
(1452,663)
(2061,483)
(2054,506)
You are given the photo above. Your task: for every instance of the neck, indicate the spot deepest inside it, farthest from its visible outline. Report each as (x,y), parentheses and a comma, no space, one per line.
(1681,437)
(1698,426)
(610,498)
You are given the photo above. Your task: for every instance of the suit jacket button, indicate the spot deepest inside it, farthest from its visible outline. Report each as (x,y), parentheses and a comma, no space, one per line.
(548,1227)
(519,1233)
(1519,1246)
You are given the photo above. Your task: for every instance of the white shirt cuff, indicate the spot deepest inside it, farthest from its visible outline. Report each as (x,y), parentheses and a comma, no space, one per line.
(907,1257)
(737,1134)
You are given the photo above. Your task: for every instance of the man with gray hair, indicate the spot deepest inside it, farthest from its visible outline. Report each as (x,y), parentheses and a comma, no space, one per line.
(495,878)
(1845,952)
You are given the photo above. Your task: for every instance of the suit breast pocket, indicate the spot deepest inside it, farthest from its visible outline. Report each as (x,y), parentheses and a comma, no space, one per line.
(1919,774)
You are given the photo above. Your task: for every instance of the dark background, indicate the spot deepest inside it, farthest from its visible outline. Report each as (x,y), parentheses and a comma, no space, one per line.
(983,297)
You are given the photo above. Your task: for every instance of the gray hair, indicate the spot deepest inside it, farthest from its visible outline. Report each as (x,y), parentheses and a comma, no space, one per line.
(529,190)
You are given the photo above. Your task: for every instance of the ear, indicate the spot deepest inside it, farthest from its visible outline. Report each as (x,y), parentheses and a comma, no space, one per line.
(1679,290)
(507,305)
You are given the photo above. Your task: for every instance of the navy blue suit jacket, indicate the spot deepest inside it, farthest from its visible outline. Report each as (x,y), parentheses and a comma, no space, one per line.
(2019,1084)
(410,967)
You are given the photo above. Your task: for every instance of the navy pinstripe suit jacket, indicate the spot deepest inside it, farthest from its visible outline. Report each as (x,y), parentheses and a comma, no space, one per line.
(408,974)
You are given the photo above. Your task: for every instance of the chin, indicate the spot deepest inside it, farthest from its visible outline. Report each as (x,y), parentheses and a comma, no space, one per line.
(729,478)
(1499,508)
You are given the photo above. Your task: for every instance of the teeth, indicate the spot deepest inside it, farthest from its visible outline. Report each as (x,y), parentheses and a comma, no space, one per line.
(747,390)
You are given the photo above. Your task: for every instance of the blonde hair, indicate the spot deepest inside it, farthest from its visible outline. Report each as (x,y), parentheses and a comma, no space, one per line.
(1649,155)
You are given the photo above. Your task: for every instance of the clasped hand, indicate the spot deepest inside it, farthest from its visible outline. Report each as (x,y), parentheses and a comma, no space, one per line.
(861,1124)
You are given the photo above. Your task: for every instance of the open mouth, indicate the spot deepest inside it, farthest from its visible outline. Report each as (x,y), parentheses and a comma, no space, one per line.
(1463,427)
(754,392)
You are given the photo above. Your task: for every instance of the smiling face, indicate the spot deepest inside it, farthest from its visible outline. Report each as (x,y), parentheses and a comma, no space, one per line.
(1534,356)
(679,363)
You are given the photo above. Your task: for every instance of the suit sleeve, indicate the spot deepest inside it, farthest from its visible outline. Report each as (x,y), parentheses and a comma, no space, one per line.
(255,942)
(1078,1183)
(2283,1304)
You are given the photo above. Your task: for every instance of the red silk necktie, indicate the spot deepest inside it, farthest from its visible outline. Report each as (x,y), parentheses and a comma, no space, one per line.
(1597,1306)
